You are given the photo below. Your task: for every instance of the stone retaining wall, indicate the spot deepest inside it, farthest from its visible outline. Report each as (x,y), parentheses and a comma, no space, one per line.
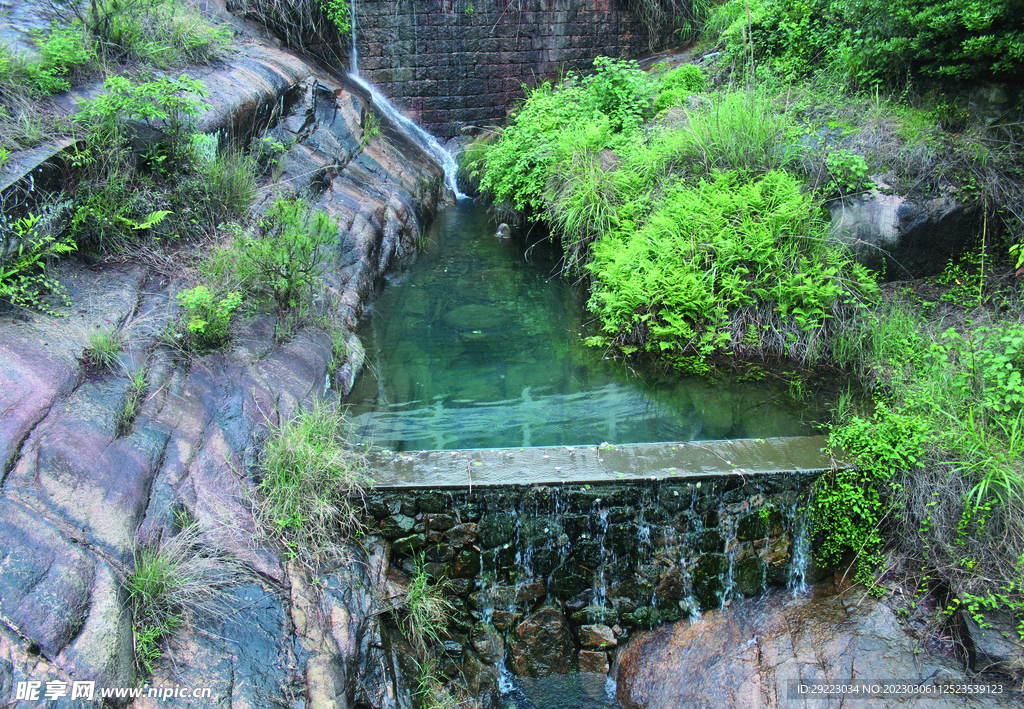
(454,63)
(551,579)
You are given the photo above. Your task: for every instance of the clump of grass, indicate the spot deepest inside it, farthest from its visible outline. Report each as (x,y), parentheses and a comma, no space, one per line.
(427,611)
(229,184)
(173,583)
(105,346)
(309,497)
(744,130)
(134,399)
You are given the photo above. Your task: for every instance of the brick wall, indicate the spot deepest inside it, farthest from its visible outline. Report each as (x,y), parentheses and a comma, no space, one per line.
(453,63)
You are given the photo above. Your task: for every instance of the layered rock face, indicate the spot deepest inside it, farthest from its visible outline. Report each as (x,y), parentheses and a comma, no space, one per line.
(83,490)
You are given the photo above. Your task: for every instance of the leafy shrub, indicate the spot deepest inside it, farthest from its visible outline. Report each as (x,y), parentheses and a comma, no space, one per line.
(619,89)
(113,206)
(208,319)
(24,276)
(285,258)
(518,164)
(675,86)
(340,13)
(849,172)
(711,248)
(163,102)
(850,503)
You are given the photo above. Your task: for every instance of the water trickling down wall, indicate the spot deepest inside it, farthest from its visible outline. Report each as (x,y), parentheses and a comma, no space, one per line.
(550,579)
(456,63)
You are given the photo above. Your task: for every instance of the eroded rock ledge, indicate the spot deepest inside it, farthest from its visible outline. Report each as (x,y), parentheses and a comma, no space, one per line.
(80,496)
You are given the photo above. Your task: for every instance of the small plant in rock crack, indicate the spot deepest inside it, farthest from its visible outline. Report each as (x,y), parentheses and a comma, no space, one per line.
(426,615)
(105,345)
(208,319)
(174,582)
(134,399)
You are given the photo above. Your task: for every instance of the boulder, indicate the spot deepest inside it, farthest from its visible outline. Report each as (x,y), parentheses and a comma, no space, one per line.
(993,645)
(542,645)
(488,643)
(748,655)
(597,636)
(905,238)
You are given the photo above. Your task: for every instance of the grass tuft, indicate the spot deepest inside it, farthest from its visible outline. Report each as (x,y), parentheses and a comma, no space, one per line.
(311,489)
(175,582)
(103,352)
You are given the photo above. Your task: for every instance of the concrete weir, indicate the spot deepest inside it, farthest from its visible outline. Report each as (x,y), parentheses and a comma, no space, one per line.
(555,556)
(601,463)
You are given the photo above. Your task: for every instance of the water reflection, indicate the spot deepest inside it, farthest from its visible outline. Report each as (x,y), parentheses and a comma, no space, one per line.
(477,345)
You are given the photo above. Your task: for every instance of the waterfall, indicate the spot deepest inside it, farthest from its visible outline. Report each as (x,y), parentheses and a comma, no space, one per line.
(407,126)
(354,56)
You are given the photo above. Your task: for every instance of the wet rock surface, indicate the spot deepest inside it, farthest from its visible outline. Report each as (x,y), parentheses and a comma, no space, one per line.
(82,492)
(747,655)
(542,645)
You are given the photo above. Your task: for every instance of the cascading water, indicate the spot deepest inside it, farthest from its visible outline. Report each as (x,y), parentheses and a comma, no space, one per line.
(408,127)
(354,55)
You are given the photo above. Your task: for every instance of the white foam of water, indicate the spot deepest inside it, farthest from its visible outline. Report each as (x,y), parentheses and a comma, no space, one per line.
(353,65)
(414,132)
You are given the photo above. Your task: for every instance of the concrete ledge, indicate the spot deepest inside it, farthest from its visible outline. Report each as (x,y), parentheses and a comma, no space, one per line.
(604,463)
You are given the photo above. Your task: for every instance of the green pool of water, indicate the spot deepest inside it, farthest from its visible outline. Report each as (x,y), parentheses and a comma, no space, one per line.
(476,344)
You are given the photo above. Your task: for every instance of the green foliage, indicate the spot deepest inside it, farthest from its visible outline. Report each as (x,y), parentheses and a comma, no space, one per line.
(339,12)
(849,172)
(162,102)
(518,164)
(25,279)
(66,54)
(710,249)
(114,206)
(286,257)
(427,612)
(371,126)
(872,42)
(160,33)
(208,320)
(614,100)
(619,89)
(850,503)
(677,85)
(311,485)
